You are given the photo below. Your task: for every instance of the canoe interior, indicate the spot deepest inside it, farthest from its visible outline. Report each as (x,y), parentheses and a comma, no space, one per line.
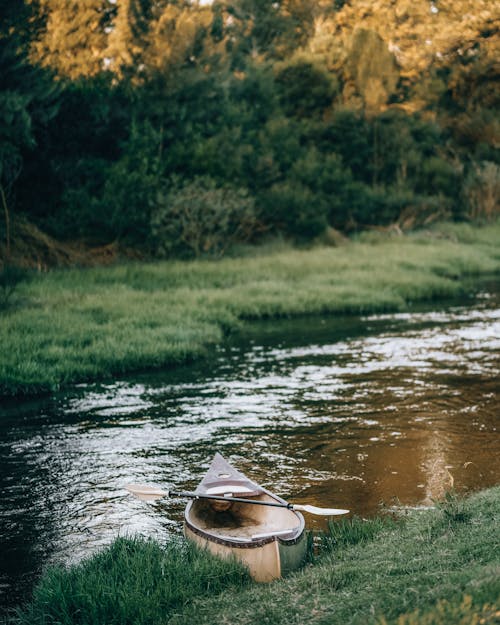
(245,522)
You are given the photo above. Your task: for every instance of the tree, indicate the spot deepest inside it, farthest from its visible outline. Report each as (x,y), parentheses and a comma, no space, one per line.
(305,87)
(27,100)
(373,69)
(127,36)
(262,29)
(420,36)
(73,39)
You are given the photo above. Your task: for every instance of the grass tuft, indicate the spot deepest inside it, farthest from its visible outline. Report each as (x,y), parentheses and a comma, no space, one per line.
(354,531)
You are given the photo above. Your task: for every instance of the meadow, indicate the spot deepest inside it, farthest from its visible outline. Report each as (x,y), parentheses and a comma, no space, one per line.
(74,325)
(437,566)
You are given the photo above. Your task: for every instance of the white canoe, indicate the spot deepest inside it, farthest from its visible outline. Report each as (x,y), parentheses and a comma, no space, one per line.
(270,541)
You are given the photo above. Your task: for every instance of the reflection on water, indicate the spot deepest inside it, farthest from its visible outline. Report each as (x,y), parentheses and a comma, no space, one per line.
(347,413)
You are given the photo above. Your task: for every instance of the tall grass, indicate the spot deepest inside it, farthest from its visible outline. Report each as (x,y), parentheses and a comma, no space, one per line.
(133,582)
(76,325)
(435,568)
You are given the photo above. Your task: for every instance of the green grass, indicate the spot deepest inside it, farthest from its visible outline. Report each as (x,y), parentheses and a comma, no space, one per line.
(134,581)
(434,567)
(87,324)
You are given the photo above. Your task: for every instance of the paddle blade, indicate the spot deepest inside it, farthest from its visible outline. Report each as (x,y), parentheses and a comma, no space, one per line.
(321,511)
(145,492)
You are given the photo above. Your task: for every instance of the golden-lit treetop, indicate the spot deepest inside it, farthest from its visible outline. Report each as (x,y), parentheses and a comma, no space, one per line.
(419,35)
(74,37)
(416,32)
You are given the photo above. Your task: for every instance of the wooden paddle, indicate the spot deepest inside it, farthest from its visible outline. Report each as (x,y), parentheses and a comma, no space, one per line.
(150,493)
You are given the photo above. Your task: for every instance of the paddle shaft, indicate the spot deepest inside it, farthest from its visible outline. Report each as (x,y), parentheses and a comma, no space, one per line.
(188,495)
(148,493)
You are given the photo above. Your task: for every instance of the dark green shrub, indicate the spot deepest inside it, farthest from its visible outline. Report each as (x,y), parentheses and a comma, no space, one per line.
(438,176)
(305,87)
(348,134)
(292,207)
(77,213)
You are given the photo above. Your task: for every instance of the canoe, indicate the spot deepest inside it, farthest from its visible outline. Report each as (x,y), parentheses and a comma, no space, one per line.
(269,541)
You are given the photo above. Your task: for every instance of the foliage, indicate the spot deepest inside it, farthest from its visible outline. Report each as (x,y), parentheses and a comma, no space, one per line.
(200,219)
(291,207)
(321,115)
(26,102)
(305,88)
(373,68)
(72,37)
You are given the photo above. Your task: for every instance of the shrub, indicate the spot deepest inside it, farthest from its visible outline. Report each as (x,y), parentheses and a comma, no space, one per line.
(306,87)
(295,209)
(438,176)
(198,218)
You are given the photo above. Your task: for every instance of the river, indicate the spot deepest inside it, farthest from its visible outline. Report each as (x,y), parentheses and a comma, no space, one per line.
(366,413)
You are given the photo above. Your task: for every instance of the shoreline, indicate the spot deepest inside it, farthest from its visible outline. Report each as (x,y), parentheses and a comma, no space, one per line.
(79,325)
(432,567)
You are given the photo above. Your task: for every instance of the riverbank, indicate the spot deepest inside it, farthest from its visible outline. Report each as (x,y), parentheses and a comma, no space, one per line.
(437,566)
(69,326)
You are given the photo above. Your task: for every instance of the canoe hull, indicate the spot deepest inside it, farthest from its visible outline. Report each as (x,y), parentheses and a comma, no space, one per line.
(265,562)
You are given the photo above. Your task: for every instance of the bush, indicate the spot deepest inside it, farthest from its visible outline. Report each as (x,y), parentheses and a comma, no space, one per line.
(197,218)
(332,184)
(295,209)
(438,176)
(306,88)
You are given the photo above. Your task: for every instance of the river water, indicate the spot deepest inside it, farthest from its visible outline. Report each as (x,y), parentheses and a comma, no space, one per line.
(362,413)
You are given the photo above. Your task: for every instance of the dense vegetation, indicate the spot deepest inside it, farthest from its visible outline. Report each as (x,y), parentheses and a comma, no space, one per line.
(434,567)
(181,128)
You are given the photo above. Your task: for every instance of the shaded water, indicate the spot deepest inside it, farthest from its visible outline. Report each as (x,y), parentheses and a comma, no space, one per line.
(345,412)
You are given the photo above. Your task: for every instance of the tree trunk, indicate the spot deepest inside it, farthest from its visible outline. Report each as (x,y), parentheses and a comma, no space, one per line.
(7,224)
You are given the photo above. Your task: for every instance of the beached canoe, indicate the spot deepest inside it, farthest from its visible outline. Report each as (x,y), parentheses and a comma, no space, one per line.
(270,541)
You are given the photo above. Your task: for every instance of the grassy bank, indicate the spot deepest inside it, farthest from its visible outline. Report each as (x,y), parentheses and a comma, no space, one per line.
(76,325)
(435,567)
